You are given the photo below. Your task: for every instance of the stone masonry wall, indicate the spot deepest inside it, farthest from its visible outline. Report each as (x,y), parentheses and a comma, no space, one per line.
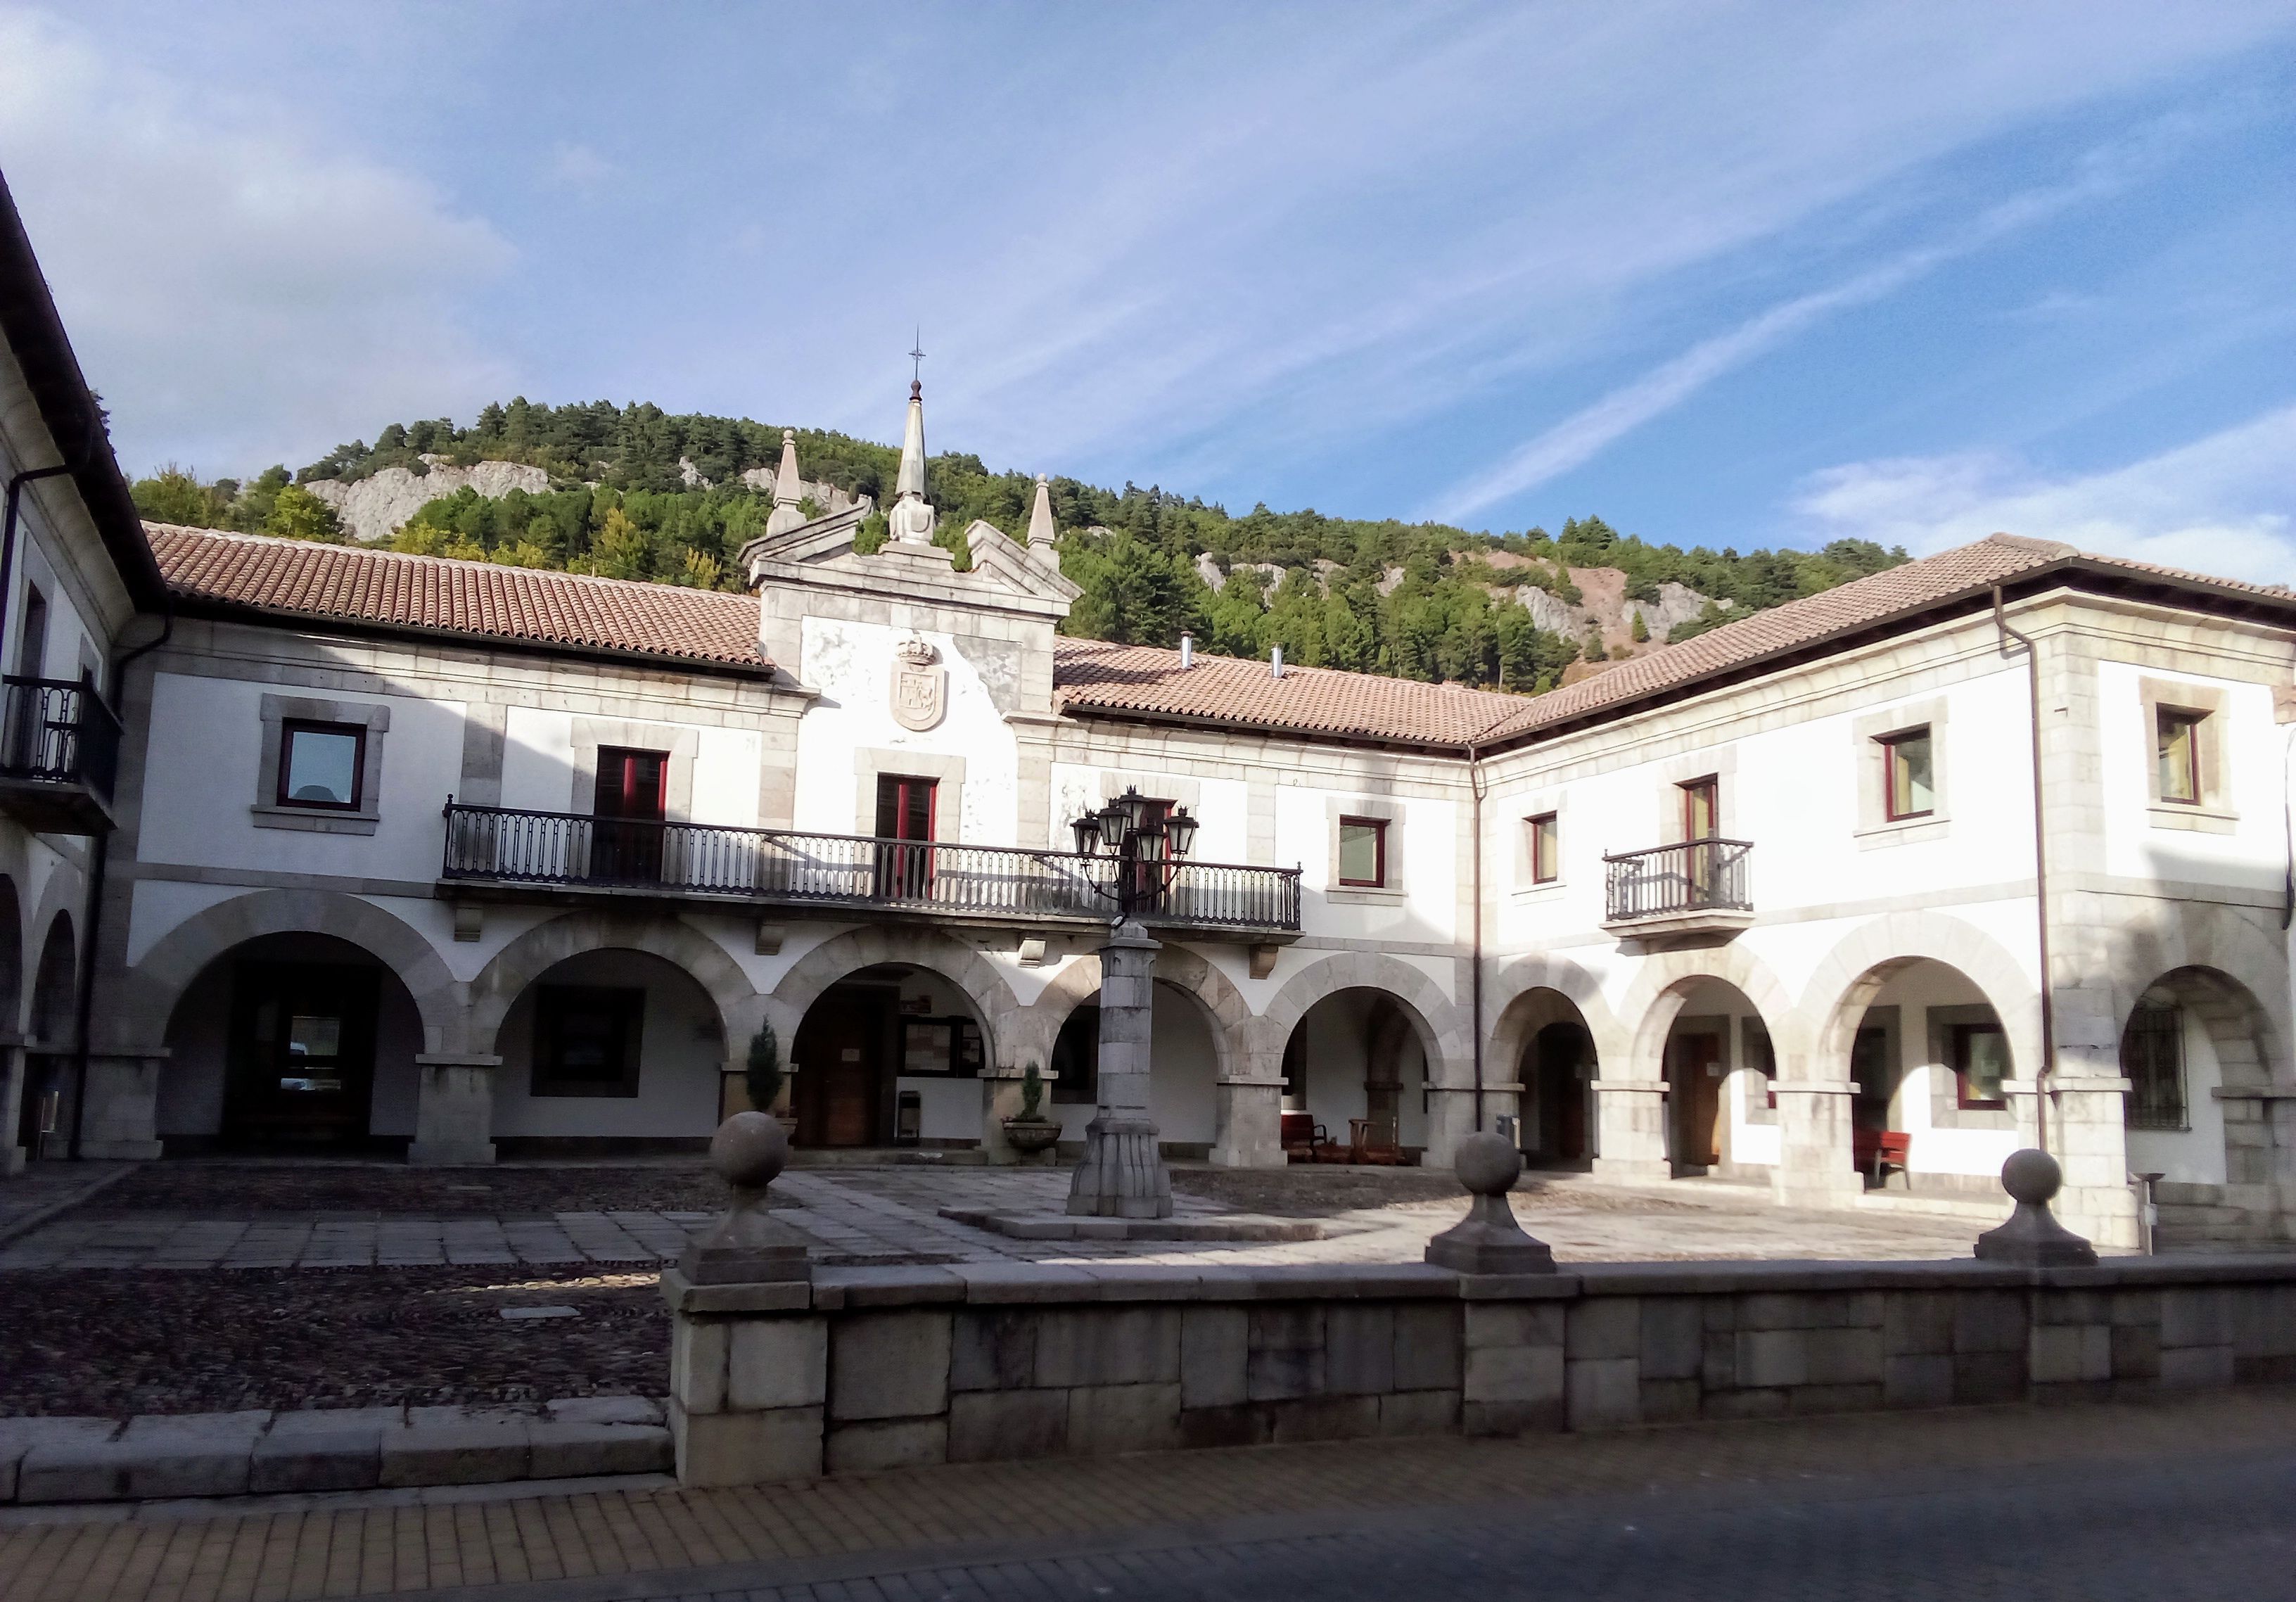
(877,1368)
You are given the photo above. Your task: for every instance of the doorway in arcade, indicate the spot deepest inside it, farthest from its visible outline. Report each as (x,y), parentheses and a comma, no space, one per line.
(889,1057)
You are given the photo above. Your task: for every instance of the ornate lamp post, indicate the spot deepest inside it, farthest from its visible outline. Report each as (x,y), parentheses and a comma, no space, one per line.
(1122,1172)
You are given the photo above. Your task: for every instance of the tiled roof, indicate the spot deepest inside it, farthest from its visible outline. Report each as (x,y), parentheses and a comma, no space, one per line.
(1096,676)
(1146,679)
(301,578)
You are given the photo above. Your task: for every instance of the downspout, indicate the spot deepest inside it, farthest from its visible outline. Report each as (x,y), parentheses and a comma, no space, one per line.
(92,915)
(2040,876)
(1475,981)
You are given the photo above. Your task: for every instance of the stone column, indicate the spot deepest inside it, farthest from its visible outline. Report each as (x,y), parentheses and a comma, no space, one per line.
(2086,1137)
(453,1111)
(1122,1173)
(1630,1130)
(1817,1166)
(1451,1119)
(1249,1130)
(11,1104)
(121,1118)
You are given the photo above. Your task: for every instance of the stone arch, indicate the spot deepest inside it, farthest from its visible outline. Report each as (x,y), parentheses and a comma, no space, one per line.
(1853,972)
(786,1004)
(1510,1032)
(11,964)
(1035,1027)
(1441,1028)
(1662,985)
(2228,945)
(2238,1025)
(55,989)
(533,954)
(154,985)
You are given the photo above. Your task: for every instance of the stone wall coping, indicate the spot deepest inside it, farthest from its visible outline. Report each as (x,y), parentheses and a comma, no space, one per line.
(836,1289)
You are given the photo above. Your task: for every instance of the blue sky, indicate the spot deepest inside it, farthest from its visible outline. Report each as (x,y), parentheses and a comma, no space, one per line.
(1726,274)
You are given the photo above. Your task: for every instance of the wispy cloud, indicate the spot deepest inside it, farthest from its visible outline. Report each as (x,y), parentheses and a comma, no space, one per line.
(233,285)
(2218,504)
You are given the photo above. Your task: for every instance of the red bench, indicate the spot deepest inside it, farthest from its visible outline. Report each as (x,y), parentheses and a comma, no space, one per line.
(1875,1150)
(1304,1138)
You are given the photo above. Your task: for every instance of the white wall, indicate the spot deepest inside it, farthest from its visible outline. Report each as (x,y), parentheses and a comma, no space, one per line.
(1931,1148)
(681,1055)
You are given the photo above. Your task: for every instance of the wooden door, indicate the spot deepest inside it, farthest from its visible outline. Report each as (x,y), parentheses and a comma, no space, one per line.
(302,1054)
(839,1053)
(630,801)
(1698,1100)
(1563,1050)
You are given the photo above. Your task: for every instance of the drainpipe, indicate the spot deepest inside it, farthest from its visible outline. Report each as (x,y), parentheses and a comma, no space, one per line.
(92,915)
(1475,985)
(2040,876)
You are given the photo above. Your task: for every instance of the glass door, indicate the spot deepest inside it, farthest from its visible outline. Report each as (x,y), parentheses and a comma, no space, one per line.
(630,805)
(908,808)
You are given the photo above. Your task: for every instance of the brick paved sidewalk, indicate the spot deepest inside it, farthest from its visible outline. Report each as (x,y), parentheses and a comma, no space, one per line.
(666,1538)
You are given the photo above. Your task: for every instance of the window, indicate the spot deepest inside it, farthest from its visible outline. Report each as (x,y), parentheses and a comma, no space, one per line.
(905,808)
(32,651)
(1908,777)
(587,1040)
(1980,1063)
(322,764)
(1362,852)
(2177,750)
(1701,808)
(1545,843)
(2153,1059)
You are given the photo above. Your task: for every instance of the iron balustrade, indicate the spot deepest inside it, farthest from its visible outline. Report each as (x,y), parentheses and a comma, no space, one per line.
(508,845)
(57,732)
(1697,875)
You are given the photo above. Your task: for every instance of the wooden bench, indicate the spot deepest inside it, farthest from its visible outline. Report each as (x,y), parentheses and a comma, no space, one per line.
(1373,1141)
(1303,1139)
(1874,1150)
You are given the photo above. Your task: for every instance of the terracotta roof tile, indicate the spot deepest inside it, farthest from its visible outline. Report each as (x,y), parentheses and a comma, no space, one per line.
(304,578)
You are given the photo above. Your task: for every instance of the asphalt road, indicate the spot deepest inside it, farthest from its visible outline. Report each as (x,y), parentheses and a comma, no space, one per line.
(2207,1529)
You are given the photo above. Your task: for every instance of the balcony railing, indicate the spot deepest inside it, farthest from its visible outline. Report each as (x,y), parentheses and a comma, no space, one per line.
(1673,881)
(505,846)
(59,754)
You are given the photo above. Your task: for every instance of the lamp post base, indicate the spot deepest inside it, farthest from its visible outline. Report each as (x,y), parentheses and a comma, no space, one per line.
(1122,1174)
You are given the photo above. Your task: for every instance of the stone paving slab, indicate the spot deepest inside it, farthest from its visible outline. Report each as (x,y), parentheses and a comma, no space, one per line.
(44,1189)
(167,1241)
(55,1460)
(568,1543)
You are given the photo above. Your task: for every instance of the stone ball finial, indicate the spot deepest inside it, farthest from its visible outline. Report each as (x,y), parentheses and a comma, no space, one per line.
(749,1150)
(2032,1176)
(1487,1164)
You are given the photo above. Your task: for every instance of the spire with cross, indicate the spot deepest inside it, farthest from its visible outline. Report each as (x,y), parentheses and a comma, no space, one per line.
(917,361)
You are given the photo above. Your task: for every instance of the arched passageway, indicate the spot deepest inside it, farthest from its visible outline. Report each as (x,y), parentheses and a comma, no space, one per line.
(2197,1050)
(297,1042)
(1555,1063)
(1720,1067)
(1183,1069)
(1932,1061)
(1355,1066)
(612,1047)
(889,1053)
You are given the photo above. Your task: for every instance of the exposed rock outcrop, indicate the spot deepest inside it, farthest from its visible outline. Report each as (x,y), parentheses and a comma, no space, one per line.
(374,508)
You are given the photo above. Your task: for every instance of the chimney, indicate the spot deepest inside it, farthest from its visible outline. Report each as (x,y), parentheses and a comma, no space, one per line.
(1187,651)
(1275,660)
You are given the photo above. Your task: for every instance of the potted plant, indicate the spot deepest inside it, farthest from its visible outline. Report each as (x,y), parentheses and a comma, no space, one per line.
(1031,1131)
(764,1078)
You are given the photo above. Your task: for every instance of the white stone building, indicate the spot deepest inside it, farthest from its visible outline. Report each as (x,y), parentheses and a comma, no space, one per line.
(74,571)
(458,859)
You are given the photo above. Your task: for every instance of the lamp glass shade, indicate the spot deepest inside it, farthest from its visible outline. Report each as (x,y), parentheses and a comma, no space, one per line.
(1115,820)
(1180,829)
(1135,806)
(1087,833)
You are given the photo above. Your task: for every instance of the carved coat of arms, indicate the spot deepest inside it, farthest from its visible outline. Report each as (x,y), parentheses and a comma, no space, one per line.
(920,685)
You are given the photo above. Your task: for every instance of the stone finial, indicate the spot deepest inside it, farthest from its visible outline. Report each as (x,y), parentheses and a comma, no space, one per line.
(1489,1240)
(747,1246)
(789,490)
(1042,534)
(2032,1237)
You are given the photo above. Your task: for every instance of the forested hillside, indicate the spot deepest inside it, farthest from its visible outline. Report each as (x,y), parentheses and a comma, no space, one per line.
(638,493)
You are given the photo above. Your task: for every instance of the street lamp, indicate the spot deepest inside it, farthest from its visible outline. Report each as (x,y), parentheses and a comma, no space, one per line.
(1141,839)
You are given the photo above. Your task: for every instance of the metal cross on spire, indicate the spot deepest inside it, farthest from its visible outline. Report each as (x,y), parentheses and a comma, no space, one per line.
(917,356)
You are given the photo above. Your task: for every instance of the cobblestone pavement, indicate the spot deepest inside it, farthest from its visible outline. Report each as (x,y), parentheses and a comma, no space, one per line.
(43,1189)
(892,1214)
(2191,1498)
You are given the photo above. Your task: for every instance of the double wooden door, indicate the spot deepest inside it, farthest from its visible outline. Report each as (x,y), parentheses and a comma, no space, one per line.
(839,1056)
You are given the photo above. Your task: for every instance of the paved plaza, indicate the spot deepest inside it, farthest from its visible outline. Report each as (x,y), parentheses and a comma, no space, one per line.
(2183,1499)
(892,1214)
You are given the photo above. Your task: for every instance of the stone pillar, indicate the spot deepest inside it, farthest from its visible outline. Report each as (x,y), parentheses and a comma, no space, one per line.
(453,1111)
(1451,1119)
(2086,1138)
(121,1118)
(1817,1166)
(1122,1173)
(11,1104)
(1630,1130)
(1249,1130)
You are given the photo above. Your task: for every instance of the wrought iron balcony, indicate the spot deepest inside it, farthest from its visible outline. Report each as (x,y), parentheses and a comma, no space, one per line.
(1697,887)
(782,868)
(59,755)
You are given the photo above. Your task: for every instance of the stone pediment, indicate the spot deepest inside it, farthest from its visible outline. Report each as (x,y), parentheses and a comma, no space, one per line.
(822,552)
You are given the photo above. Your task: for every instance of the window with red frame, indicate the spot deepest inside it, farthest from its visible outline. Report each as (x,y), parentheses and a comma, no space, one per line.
(1362,852)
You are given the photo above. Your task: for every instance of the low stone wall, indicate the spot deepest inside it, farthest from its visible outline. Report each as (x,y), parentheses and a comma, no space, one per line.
(870,1369)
